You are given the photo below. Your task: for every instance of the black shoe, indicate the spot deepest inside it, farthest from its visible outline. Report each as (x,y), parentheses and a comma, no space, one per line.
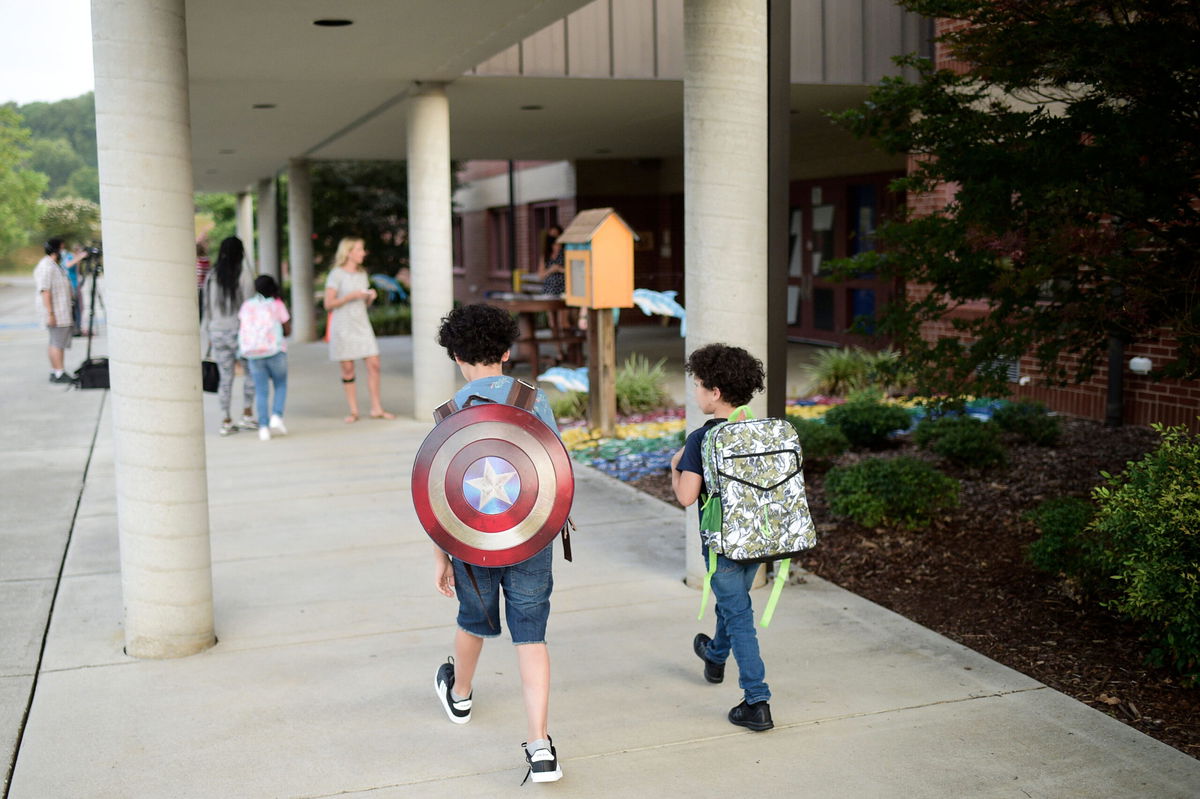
(63,378)
(542,762)
(756,717)
(713,672)
(459,710)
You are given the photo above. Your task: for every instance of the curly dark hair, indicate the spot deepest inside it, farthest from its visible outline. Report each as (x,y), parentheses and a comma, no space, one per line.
(737,373)
(478,334)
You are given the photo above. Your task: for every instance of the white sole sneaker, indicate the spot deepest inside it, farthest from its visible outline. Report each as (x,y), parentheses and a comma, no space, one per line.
(458,711)
(543,766)
(264,434)
(277,426)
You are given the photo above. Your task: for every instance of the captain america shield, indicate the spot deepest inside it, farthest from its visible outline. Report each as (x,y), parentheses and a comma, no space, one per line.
(492,484)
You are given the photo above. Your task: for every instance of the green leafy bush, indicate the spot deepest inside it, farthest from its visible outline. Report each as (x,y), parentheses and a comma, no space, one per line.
(962,440)
(1148,523)
(902,491)
(572,405)
(842,372)
(819,441)
(641,386)
(1029,420)
(866,423)
(1064,547)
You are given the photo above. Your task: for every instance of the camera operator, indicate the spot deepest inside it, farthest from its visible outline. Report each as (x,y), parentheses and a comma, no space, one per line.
(54,300)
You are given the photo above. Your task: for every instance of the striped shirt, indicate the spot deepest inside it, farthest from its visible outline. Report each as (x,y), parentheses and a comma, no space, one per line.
(49,276)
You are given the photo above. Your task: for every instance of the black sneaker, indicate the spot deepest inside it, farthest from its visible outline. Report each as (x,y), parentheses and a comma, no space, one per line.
(713,672)
(542,762)
(756,717)
(63,378)
(459,710)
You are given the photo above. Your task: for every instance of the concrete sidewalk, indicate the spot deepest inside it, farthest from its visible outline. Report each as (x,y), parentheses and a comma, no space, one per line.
(330,633)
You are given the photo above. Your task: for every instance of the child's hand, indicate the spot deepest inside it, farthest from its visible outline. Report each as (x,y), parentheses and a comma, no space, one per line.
(443,575)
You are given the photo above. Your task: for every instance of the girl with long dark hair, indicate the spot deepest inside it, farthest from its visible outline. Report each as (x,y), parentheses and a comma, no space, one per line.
(227,286)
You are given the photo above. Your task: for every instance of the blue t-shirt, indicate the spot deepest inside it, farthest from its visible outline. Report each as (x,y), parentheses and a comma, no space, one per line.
(692,459)
(496,389)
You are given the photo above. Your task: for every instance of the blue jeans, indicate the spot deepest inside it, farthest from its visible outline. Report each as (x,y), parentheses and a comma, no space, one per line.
(274,367)
(735,626)
(526,585)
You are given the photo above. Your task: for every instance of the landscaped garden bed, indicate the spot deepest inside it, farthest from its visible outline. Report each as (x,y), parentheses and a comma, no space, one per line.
(967,574)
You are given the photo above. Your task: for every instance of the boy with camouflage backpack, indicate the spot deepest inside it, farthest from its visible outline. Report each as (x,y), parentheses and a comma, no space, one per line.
(753,470)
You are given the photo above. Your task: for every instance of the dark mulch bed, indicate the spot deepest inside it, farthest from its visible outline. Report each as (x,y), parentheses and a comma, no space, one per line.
(966,577)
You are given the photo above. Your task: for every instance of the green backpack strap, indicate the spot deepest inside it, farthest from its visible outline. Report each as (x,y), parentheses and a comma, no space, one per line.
(712,569)
(744,410)
(781,575)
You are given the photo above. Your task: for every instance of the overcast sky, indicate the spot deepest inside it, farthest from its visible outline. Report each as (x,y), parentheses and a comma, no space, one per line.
(45,50)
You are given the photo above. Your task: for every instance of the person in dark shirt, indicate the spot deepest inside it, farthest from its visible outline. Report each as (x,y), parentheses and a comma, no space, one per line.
(725,378)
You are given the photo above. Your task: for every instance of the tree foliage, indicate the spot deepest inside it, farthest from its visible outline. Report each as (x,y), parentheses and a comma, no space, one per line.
(19,187)
(1073,139)
(72,219)
(368,199)
(73,119)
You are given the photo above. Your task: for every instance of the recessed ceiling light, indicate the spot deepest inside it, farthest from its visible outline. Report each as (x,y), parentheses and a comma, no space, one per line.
(531,107)
(226,151)
(332,23)
(263,105)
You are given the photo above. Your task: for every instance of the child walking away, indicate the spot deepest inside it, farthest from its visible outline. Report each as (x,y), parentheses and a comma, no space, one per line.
(263,323)
(478,339)
(725,378)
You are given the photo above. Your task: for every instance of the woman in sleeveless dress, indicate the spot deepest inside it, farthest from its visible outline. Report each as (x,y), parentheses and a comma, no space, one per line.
(347,296)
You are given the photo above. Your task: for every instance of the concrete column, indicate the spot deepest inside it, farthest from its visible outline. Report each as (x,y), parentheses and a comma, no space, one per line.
(300,252)
(144,142)
(268,228)
(430,242)
(725,189)
(245,225)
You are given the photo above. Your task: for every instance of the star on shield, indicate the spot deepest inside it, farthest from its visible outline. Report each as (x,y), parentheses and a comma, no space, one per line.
(487,485)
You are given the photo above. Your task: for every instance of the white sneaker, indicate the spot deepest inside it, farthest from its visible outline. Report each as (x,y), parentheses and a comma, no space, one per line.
(248,423)
(277,425)
(542,762)
(264,434)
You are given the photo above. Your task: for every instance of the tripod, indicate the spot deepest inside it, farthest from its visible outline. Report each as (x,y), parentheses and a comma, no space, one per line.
(93,373)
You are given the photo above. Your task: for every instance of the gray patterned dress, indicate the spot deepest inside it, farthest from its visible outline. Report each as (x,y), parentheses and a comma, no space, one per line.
(350,334)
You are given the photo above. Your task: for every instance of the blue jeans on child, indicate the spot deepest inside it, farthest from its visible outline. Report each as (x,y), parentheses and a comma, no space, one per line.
(526,587)
(275,368)
(735,626)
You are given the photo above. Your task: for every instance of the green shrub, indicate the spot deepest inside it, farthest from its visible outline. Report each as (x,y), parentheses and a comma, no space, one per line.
(1064,546)
(1029,420)
(641,387)
(841,372)
(819,441)
(962,440)
(866,423)
(902,491)
(1148,523)
(572,405)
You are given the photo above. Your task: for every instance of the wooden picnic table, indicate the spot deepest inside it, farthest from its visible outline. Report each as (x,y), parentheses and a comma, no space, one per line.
(526,307)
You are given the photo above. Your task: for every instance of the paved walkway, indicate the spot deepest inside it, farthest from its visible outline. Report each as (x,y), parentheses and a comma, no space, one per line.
(330,633)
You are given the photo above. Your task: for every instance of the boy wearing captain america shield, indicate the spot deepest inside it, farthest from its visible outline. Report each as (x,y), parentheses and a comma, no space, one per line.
(478,338)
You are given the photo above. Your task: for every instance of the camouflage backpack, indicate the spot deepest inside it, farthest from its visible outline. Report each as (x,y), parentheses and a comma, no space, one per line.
(756,509)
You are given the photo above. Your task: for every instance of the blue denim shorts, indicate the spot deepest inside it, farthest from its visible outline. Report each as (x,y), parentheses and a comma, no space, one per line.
(526,587)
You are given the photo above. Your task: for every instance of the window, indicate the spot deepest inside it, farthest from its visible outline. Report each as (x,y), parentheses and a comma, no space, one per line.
(542,216)
(499,254)
(456,242)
